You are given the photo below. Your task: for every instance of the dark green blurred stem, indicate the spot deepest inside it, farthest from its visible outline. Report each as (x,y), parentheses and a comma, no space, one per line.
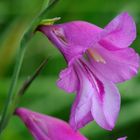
(11,101)
(29,80)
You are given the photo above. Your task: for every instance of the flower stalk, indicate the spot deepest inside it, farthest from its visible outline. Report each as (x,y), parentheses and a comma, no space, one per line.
(11,101)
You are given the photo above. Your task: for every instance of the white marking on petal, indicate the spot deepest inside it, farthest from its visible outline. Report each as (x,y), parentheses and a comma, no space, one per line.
(59,32)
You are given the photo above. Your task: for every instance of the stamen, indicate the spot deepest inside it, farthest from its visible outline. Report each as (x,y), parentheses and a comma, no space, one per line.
(96,56)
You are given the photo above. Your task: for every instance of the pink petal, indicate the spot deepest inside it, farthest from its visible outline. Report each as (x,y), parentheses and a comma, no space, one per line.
(81,109)
(123,138)
(47,128)
(72,38)
(98,99)
(79,33)
(120,65)
(105,110)
(68,80)
(121,32)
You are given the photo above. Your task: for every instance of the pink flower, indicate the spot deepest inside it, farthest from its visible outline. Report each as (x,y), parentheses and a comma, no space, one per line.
(97,59)
(123,138)
(47,128)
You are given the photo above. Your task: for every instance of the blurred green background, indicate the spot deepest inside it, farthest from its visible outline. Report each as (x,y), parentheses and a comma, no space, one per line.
(43,95)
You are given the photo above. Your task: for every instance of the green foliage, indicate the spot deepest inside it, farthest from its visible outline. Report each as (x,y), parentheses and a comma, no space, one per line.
(13,97)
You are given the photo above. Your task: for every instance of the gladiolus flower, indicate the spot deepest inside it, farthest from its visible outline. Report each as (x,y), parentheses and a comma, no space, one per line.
(97,59)
(45,127)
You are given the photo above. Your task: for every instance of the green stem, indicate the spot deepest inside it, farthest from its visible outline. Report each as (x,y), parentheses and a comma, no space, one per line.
(30,79)
(11,104)
(8,109)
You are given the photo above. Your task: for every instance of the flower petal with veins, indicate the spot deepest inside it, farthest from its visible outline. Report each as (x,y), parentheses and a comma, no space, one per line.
(44,127)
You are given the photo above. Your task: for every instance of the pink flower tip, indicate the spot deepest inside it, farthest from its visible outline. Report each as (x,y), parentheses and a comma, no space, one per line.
(44,127)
